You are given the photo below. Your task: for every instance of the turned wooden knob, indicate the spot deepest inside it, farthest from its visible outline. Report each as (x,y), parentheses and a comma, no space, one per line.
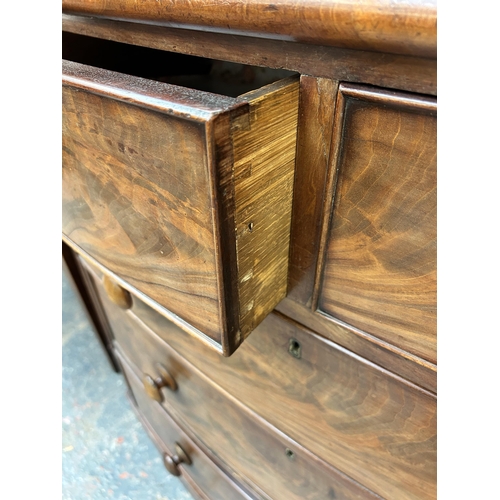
(172,461)
(153,386)
(117,294)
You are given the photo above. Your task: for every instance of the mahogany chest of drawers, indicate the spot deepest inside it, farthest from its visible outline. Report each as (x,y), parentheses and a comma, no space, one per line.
(249,212)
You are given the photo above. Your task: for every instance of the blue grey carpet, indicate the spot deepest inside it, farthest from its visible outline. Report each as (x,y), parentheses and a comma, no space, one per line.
(106,452)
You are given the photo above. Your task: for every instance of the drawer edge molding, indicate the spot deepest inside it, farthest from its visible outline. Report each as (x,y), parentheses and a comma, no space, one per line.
(158,96)
(356,356)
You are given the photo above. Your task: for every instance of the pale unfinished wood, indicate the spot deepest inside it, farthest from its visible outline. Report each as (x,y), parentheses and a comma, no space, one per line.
(264,163)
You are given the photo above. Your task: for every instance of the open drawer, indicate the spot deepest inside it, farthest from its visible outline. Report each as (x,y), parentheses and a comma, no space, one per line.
(181,195)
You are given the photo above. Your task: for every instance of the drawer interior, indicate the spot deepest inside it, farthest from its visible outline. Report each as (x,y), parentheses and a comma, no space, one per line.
(209,75)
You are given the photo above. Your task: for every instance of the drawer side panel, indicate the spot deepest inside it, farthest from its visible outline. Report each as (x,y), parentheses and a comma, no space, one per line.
(264,167)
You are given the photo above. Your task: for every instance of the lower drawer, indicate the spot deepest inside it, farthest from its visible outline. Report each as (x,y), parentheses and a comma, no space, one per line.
(204,478)
(248,447)
(373,426)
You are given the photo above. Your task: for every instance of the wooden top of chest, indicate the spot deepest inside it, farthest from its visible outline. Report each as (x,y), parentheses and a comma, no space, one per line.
(407,27)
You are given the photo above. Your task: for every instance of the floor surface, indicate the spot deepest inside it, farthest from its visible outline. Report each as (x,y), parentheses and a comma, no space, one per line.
(106,452)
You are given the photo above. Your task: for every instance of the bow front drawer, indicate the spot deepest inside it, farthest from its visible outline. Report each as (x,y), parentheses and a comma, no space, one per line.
(184,195)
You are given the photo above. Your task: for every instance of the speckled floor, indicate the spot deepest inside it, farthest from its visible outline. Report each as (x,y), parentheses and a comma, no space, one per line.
(106,452)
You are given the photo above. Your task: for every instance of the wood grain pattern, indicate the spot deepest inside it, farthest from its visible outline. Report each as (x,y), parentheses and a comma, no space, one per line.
(264,166)
(128,202)
(202,476)
(403,27)
(265,459)
(314,133)
(379,273)
(413,74)
(371,425)
(154,181)
(388,356)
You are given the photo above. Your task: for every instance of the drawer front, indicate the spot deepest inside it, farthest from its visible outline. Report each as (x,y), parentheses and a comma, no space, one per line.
(183,195)
(371,425)
(379,272)
(201,474)
(247,446)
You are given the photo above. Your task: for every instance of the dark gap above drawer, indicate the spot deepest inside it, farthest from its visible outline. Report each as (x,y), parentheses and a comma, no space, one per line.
(218,77)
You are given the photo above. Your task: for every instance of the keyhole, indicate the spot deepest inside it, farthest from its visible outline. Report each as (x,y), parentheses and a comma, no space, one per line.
(294,348)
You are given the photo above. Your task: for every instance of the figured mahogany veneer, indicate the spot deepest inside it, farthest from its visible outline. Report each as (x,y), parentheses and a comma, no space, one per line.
(350,413)
(245,444)
(202,476)
(380,260)
(265,459)
(185,195)
(303,211)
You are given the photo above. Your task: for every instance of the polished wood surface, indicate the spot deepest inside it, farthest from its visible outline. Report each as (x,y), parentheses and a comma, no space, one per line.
(402,27)
(202,476)
(314,136)
(414,74)
(264,458)
(190,242)
(379,273)
(388,356)
(155,231)
(333,394)
(330,392)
